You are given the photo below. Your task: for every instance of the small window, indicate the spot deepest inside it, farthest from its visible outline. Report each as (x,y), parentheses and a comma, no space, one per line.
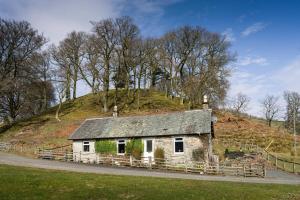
(178,145)
(86,146)
(121,146)
(149,146)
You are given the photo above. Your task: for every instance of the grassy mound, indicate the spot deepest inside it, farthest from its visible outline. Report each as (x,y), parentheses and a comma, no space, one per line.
(45,131)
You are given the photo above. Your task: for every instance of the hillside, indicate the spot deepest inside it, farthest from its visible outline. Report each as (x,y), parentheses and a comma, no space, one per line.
(45,131)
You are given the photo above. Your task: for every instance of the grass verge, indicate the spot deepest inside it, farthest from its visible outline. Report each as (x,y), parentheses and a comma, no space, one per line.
(29,183)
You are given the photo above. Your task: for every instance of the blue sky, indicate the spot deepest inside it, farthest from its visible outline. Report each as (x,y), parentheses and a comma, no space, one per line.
(265,34)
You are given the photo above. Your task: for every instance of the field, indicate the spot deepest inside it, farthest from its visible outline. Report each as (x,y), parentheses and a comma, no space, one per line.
(29,183)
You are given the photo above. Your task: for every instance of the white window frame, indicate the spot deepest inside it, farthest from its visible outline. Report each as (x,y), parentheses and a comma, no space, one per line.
(174,141)
(88,144)
(118,142)
(146,146)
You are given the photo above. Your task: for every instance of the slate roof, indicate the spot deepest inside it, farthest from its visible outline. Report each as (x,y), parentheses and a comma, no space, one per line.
(179,123)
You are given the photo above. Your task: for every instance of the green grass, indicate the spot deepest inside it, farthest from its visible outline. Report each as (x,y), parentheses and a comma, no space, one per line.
(29,183)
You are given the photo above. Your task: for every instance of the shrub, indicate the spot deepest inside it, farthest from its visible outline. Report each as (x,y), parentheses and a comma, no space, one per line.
(198,154)
(135,148)
(159,153)
(106,146)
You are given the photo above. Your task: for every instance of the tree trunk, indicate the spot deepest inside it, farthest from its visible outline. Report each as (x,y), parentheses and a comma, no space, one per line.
(68,86)
(57,111)
(106,87)
(45,103)
(75,84)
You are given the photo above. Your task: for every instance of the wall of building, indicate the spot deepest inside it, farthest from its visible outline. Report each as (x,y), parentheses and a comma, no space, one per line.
(190,143)
(80,155)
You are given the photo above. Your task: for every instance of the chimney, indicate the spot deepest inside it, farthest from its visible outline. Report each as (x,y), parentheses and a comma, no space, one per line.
(115,111)
(205,102)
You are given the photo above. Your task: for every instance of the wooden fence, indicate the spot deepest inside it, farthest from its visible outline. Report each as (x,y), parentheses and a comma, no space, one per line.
(278,162)
(4,146)
(281,163)
(173,164)
(55,155)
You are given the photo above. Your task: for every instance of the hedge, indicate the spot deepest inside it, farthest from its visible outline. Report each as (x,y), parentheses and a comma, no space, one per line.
(106,146)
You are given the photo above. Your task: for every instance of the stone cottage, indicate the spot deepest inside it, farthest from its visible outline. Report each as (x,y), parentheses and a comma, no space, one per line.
(179,134)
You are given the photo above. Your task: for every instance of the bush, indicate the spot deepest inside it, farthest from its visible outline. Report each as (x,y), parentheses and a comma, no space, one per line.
(159,153)
(106,146)
(135,148)
(198,154)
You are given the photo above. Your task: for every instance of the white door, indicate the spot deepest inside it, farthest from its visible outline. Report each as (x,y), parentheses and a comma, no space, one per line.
(148,150)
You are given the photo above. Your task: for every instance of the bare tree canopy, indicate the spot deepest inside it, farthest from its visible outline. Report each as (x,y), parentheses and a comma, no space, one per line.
(186,62)
(270,108)
(22,71)
(240,103)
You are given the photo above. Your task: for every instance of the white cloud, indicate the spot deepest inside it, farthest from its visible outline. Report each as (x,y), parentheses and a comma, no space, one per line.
(259,26)
(248,60)
(56,18)
(258,85)
(288,76)
(229,35)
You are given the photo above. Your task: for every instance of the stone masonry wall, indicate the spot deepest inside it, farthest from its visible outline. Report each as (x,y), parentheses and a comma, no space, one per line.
(190,143)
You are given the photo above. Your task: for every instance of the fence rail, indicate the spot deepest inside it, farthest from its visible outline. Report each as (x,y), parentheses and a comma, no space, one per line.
(281,163)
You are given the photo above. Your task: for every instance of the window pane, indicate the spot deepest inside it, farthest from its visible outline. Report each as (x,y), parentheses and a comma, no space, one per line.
(121,148)
(86,148)
(178,146)
(149,146)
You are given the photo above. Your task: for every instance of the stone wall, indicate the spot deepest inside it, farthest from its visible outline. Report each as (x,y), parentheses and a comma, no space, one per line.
(190,143)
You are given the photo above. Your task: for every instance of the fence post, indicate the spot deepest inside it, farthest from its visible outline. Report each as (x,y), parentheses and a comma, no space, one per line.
(265,171)
(244,170)
(294,167)
(79,156)
(130,160)
(150,162)
(276,161)
(185,165)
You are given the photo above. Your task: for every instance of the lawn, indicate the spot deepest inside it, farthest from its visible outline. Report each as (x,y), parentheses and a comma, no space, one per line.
(29,183)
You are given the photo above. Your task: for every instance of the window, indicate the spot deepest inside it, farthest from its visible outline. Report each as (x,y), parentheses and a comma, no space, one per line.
(149,146)
(178,145)
(86,146)
(121,146)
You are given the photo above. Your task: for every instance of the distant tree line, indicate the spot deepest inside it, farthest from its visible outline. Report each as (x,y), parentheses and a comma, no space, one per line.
(271,108)
(186,62)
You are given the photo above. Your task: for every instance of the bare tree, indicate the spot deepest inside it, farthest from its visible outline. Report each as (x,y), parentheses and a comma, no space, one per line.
(270,108)
(292,110)
(72,49)
(19,46)
(240,103)
(93,65)
(106,33)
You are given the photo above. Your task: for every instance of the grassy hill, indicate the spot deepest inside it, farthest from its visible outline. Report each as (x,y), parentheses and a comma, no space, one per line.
(45,131)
